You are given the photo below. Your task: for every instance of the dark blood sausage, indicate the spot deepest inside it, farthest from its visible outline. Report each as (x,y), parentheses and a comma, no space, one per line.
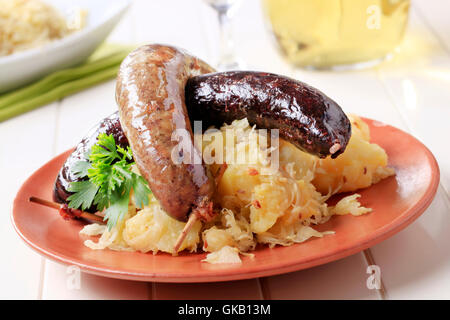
(109,125)
(305,116)
(150,96)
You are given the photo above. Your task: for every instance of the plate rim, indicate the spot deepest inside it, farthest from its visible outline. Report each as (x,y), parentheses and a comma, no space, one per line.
(230,274)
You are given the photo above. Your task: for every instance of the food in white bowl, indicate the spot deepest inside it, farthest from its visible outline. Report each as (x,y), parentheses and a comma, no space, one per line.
(26,24)
(25,66)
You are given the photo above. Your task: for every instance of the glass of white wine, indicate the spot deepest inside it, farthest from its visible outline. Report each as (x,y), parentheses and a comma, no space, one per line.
(225,10)
(337,34)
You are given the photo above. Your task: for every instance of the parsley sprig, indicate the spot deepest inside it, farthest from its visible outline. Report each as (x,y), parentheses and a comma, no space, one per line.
(110,181)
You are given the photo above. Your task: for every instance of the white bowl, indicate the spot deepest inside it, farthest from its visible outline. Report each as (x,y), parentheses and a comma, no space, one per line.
(27,66)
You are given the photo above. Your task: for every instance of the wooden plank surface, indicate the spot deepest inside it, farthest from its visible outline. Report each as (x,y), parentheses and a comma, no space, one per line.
(27,143)
(415,263)
(410,92)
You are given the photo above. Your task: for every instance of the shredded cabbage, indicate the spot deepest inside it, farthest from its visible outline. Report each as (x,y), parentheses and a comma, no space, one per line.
(226,254)
(26,24)
(260,204)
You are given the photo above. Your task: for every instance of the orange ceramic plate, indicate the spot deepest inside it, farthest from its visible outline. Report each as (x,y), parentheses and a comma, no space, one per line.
(396,202)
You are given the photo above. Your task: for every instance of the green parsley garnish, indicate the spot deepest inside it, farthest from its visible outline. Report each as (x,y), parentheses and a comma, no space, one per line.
(110,181)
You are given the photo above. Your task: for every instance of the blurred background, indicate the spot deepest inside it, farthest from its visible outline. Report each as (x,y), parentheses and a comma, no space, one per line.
(384,59)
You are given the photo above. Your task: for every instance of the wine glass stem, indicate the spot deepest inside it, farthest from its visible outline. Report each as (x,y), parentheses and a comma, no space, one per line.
(226,42)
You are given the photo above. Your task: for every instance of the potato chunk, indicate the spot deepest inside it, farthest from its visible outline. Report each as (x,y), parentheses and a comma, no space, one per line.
(151,229)
(361,165)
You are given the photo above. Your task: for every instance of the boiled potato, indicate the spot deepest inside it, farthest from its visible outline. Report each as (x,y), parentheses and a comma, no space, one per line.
(299,164)
(237,181)
(151,229)
(215,239)
(361,165)
(270,201)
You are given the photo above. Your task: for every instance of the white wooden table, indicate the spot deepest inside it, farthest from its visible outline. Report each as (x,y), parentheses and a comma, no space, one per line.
(411,92)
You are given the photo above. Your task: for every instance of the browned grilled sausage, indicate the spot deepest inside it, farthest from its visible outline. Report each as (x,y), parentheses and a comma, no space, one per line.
(305,116)
(151,99)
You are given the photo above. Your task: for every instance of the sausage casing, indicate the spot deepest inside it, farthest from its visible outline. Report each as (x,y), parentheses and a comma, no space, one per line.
(150,95)
(109,125)
(305,116)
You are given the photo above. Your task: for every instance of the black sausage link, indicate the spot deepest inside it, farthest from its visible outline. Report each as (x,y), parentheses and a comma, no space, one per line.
(109,125)
(305,116)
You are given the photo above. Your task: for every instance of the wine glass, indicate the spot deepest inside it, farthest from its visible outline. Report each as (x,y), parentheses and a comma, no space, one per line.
(225,10)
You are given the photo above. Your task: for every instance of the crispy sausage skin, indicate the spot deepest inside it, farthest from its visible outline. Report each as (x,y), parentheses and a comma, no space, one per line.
(305,116)
(109,125)
(150,93)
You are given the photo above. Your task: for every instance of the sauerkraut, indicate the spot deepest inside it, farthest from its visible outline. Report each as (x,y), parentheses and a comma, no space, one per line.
(261,203)
(26,24)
